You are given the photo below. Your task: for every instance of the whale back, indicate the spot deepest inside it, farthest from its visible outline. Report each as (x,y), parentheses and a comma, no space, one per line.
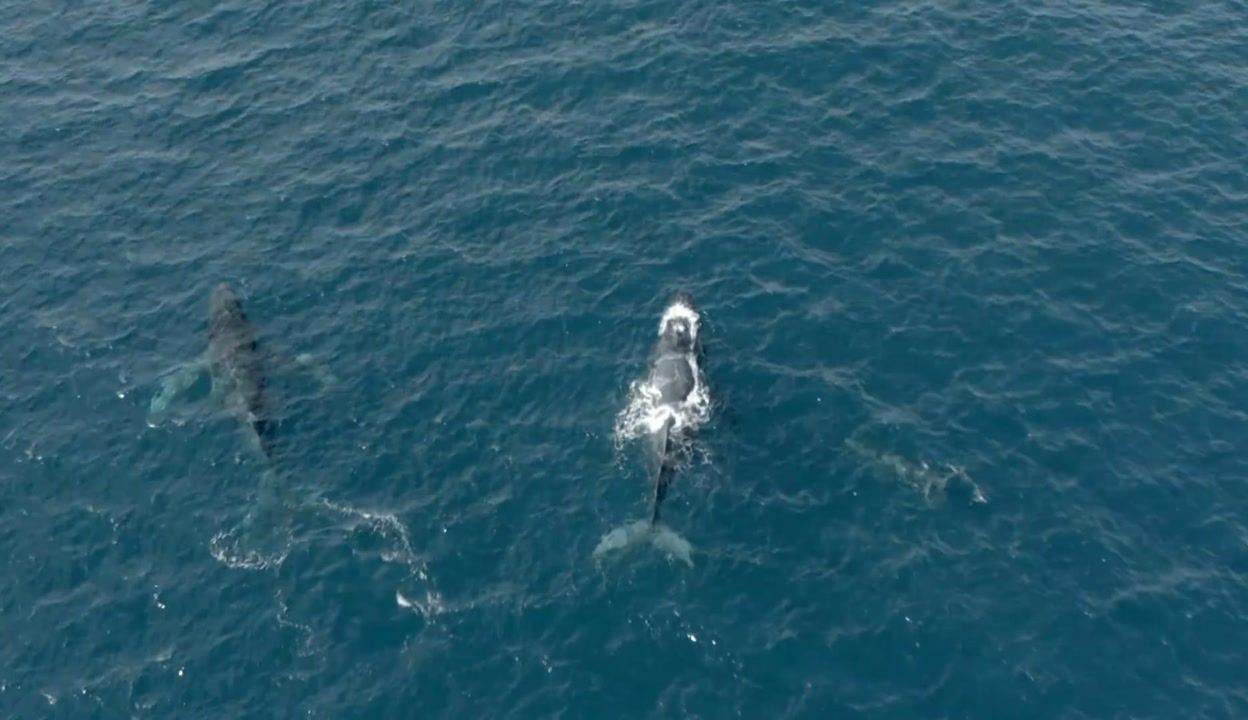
(236,362)
(673,377)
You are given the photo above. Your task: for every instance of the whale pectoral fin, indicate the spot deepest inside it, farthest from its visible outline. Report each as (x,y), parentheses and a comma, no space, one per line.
(173,385)
(318,368)
(310,363)
(216,389)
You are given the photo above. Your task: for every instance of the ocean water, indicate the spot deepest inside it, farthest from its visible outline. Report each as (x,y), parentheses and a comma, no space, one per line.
(973,282)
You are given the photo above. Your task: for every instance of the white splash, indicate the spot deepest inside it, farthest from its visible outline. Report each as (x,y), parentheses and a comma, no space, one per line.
(431,605)
(401,552)
(643,414)
(224,546)
(389,526)
(679,310)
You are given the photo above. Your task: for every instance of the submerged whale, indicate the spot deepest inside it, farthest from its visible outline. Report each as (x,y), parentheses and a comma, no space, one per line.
(673,393)
(235,364)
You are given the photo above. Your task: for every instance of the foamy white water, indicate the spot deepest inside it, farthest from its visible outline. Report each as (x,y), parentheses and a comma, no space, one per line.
(644,413)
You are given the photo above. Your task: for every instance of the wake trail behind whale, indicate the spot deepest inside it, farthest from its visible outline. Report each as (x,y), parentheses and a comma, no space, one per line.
(264,537)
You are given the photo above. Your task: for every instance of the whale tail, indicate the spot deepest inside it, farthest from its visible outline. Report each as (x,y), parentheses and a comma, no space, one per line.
(671,542)
(263,537)
(653,530)
(266,527)
(656,533)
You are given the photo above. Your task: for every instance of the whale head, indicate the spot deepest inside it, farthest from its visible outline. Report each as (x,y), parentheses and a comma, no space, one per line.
(679,325)
(224,300)
(679,335)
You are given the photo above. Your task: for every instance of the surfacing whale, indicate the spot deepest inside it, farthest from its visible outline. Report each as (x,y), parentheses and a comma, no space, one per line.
(673,400)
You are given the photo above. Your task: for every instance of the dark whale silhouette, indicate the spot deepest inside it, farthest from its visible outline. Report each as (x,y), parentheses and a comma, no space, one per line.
(670,383)
(235,363)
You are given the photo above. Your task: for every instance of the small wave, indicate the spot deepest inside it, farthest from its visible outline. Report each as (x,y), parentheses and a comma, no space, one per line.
(226,547)
(307,645)
(431,604)
(388,526)
(423,599)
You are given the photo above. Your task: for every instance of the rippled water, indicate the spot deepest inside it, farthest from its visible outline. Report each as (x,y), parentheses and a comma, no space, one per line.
(973,281)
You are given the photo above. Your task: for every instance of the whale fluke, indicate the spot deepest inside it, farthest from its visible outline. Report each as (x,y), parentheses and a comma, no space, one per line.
(658,534)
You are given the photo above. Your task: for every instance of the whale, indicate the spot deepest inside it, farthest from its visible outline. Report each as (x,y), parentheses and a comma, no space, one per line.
(671,392)
(235,364)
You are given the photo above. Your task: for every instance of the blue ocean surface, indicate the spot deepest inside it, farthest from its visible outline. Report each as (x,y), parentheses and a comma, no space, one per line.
(973,286)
